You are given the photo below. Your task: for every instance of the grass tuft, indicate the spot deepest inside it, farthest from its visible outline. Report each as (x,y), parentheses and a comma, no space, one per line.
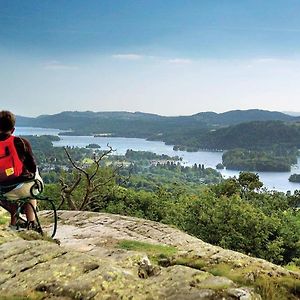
(27,296)
(154,251)
(4,217)
(198,264)
(30,235)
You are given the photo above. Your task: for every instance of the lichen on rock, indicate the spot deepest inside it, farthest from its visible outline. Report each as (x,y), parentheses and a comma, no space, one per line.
(164,263)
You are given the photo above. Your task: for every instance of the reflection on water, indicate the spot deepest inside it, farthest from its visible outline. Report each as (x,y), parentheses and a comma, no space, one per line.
(272,180)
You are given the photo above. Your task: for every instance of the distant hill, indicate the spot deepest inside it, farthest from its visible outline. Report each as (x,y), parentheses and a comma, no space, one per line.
(203,130)
(251,135)
(292,113)
(25,121)
(241,116)
(89,122)
(75,119)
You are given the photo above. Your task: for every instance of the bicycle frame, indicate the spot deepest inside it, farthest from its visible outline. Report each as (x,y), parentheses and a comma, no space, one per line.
(24,201)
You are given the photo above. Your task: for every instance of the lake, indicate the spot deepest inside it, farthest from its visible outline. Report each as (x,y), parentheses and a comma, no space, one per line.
(272,180)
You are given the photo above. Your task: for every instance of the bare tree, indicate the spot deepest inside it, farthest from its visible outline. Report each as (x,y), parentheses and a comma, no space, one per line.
(87,179)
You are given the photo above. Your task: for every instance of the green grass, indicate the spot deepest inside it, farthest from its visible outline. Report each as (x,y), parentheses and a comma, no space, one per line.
(270,288)
(29,296)
(4,217)
(293,267)
(30,235)
(154,251)
(273,289)
(221,270)
(198,264)
(16,298)
(3,220)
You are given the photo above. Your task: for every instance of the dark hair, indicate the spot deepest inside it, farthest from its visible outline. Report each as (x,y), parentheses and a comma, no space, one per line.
(7,120)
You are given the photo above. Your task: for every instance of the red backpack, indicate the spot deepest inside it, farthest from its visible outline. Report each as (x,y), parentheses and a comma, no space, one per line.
(11,166)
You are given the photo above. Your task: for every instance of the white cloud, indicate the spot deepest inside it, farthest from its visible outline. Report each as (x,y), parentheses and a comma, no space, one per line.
(128,56)
(56,65)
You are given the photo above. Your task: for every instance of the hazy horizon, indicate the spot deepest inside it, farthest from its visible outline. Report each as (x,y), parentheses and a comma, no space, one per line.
(164,57)
(291,113)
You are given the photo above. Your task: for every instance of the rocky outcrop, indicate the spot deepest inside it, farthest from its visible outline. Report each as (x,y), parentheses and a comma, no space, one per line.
(90,263)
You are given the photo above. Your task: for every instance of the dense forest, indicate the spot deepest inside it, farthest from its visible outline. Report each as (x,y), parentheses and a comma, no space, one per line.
(294,178)
(279,159)
(253,135)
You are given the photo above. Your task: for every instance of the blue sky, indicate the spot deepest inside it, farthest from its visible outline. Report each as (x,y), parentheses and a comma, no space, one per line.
(166,57)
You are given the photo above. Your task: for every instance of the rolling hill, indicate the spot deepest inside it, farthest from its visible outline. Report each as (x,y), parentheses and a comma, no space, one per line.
(205,130)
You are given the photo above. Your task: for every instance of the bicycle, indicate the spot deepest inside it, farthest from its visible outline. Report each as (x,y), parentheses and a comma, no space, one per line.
(26,201)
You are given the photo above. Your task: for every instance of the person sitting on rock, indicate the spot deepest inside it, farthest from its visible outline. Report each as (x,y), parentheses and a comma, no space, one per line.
(19,177)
